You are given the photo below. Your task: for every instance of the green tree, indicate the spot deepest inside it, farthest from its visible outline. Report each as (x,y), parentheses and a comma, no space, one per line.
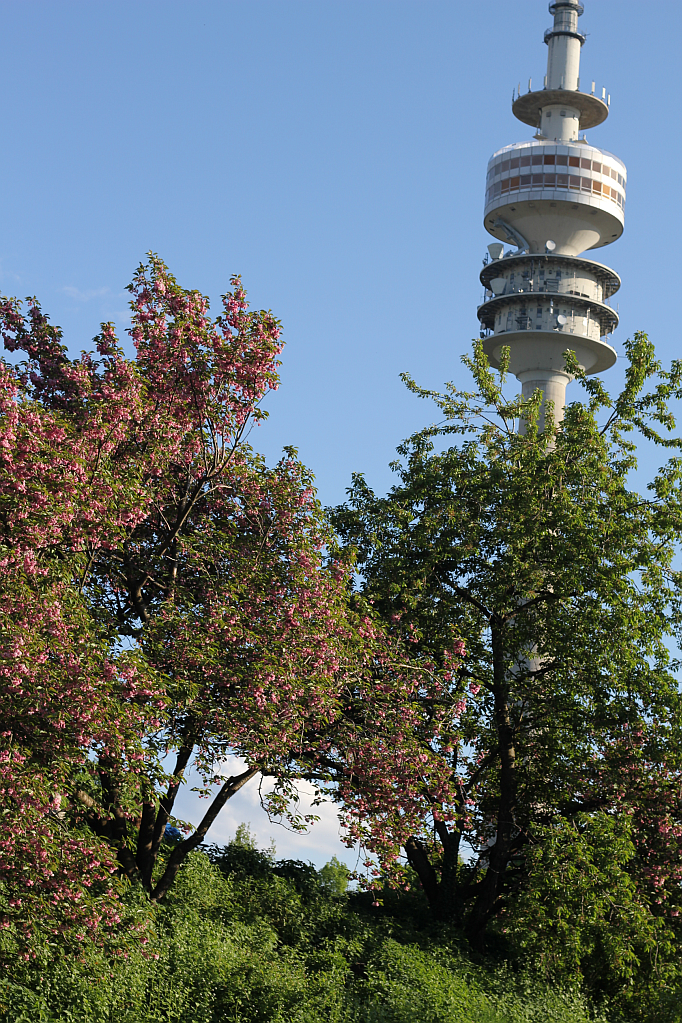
(335,875)
(583,915)
(532,549)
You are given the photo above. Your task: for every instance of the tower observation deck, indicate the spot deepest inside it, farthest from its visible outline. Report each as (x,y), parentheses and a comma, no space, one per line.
(552,199)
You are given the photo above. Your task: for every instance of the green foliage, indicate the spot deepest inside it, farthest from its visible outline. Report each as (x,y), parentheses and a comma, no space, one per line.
(335,874)
(242,856)
(549,590)
(407,983)
(582,916)
(230,948)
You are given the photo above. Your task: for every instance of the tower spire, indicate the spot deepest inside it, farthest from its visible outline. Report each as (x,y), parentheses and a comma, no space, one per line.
(560,111)
(564,42)
(551,199)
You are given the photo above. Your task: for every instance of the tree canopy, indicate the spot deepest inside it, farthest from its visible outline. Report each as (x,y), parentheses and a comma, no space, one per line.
(166,600)
(563,585)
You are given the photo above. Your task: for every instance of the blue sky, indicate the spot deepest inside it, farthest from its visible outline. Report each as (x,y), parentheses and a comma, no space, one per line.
(333,152)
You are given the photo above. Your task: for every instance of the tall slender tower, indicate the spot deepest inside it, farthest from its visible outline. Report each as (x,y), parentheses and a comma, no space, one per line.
(551,199)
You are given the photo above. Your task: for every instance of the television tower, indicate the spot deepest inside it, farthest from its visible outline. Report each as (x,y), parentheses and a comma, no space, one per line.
(551,199)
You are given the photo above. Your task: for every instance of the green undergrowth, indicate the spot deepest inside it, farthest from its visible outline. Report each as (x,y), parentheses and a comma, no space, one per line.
(242,939)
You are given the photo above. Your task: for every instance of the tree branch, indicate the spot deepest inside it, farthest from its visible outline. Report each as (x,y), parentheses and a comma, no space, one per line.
(182,850)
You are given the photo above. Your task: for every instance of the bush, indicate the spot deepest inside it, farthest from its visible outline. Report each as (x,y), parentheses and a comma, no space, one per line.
(281,946)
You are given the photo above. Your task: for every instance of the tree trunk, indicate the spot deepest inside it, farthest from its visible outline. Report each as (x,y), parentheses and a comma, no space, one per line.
(182,850)
(153,823)
(490,888)
(446,896)
(418,858)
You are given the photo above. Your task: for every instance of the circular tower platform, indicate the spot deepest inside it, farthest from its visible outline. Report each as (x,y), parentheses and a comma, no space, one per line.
(533,351)
(542,305)
(572,194)
(591,110)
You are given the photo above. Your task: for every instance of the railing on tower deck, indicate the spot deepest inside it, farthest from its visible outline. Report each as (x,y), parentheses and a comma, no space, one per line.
(565,30)
(566,328)
(518,92)
(566,287)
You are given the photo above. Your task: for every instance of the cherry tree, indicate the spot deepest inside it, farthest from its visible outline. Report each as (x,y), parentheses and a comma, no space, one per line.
(65,692)
(169,599)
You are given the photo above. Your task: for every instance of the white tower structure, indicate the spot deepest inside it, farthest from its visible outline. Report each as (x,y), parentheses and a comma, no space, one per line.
(552,199)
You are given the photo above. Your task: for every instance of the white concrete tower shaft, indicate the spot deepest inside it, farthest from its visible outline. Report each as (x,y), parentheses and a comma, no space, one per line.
(564,43)
(551,199)
(561,121)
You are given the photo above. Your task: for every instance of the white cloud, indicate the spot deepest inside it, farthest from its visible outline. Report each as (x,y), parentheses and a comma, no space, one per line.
(84,296)
(321,841)
(9,277)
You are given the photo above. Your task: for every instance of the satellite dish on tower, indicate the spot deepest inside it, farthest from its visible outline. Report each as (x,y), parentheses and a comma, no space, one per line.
(550,246)
(561,319)
(496,250)
(497,285)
